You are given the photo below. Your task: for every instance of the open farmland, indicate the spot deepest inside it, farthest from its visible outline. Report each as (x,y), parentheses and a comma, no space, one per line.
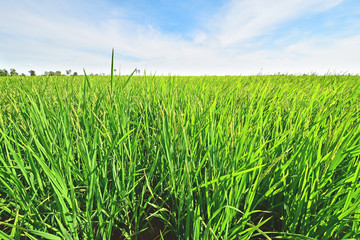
(146,157)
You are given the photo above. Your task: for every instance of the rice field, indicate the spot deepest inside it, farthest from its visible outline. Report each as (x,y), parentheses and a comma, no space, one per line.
(170,157)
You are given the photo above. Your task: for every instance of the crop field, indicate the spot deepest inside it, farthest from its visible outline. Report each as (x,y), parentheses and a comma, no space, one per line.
(170,157)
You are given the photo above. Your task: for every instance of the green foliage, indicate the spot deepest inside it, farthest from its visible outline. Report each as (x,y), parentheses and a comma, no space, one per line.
(4,72)
(50,73)
(32,73)
(256,157)
(13,72)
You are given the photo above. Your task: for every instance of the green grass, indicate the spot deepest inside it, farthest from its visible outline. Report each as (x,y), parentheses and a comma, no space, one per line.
(260,157)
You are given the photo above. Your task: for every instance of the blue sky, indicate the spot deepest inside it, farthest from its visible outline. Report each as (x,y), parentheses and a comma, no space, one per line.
(199,37)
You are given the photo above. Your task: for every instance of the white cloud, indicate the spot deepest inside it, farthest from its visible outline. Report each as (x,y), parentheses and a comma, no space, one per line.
(243,20)
(327,54)
(48,39)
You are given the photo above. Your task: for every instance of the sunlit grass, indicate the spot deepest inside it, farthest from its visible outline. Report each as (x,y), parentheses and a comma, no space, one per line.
(180,157)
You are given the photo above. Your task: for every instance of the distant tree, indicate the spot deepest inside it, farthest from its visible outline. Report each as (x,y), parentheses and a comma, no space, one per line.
(13,72)
(75,74)
(32,73)
(51,73)
(3,72)
(68,72)
(23,74)
(58,73)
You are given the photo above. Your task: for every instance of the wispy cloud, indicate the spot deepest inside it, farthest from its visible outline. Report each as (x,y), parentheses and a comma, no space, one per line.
(232,40)
(240,21)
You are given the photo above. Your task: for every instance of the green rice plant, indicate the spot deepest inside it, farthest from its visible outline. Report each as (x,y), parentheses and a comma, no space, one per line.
(165,157)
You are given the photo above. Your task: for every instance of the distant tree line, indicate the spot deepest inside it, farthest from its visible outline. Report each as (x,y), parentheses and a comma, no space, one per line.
(12,72)
(4,72)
